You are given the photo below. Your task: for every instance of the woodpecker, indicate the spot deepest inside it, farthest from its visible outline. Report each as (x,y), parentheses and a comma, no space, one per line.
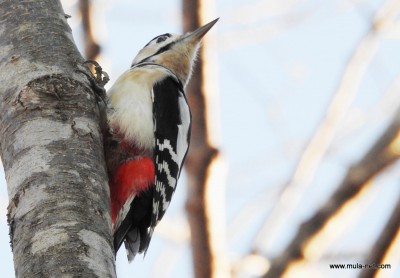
(148,136)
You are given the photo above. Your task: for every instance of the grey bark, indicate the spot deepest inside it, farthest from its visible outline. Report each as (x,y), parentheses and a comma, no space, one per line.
(51,148)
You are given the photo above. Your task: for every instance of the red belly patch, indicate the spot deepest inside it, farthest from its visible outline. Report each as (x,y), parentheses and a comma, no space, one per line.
(131,177)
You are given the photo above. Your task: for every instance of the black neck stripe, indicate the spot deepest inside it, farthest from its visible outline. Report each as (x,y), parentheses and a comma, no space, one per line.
(175,77)
(161,50)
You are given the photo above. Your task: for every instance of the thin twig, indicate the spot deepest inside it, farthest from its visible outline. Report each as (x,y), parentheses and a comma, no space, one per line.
(318,145)
(385,151)
(384,242)
(92,48)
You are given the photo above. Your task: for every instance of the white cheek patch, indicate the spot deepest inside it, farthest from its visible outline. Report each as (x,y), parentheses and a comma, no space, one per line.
(153,47)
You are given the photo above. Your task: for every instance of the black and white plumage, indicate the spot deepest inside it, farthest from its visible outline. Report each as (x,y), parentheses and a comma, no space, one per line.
(148,137)
(172,120)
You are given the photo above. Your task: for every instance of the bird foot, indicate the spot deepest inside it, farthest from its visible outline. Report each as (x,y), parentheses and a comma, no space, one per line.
(97,79)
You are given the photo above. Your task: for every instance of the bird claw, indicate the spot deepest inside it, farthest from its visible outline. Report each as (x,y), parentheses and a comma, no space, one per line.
(100,76)
(97,80)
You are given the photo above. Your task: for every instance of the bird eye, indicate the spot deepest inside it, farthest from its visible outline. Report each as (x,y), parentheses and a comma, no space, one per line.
(161,39)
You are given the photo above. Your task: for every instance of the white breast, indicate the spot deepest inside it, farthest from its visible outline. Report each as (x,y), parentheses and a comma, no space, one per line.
(131,106)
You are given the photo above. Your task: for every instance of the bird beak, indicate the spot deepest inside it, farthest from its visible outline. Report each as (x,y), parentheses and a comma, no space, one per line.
(200,32)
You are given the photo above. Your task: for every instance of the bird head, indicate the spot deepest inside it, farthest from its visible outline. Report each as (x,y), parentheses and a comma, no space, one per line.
(173,51)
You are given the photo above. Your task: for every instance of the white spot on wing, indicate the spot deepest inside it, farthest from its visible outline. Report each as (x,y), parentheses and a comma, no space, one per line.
(161,190)
(166,144)
(163,167)
(182,142)
(177,157)
(183,130)
(123,212)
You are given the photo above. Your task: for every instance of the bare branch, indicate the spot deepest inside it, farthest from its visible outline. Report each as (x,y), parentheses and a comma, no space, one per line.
(92,48)
(385,240)
(318,145)
(255,34)
(385,151)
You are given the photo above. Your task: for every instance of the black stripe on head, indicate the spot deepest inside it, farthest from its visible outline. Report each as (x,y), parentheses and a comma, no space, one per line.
(160,38)
(161,50)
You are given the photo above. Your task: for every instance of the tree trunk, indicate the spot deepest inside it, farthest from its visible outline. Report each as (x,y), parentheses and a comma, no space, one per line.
(51,148)
(204,164)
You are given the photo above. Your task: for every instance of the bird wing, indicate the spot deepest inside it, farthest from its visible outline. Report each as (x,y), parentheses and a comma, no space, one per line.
(172,124)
